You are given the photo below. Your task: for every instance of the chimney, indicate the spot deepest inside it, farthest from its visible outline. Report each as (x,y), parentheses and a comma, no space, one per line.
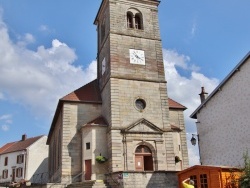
(24,137)
(203,94)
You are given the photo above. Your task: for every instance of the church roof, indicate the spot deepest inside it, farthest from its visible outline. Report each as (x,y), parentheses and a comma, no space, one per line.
(87,93)
(18,145)
(174,104)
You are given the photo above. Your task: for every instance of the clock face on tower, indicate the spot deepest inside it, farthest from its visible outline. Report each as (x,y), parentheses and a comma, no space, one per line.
(137,57)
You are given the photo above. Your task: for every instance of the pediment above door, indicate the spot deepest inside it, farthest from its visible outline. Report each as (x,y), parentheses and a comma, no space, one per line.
(143,126)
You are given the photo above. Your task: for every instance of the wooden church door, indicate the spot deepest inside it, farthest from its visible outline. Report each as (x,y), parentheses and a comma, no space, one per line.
(143,159)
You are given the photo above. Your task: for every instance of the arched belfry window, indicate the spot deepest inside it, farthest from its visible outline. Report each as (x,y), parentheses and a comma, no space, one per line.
(130,19)
(138,21)
(143,159)
(134,19)
(102,30)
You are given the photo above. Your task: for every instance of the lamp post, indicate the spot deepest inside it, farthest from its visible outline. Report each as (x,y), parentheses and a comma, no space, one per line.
(194,141)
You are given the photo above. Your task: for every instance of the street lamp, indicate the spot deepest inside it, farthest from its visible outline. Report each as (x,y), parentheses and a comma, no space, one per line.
(193,139)
(193,142)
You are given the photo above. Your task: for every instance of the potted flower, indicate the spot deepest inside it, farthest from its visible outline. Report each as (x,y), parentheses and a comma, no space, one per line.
(177,159)
(101,159)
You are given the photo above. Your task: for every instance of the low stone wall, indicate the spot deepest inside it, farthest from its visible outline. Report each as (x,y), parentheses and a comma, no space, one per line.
(156,179)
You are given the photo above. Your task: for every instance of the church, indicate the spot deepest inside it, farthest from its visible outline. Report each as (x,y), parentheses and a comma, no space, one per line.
(121,129)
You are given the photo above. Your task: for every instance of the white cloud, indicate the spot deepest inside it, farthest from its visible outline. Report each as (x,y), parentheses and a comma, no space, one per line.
(7,120)
(44,28)
(6,117)
(5,127)
(185,90)
(193,29)
(1,96)
(176,60)
(26,39)
(37,79)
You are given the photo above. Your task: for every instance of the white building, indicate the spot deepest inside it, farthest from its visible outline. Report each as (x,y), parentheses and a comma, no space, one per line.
(25,159)
(223,122)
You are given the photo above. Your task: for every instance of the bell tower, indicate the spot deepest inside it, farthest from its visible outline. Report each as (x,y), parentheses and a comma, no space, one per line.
(133,86)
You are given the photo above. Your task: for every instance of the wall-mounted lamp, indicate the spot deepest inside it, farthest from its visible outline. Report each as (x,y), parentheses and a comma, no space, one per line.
(194,141)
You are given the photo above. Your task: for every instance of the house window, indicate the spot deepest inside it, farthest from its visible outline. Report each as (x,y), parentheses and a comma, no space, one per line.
(194,178)
(6,161)
(5,174)
(87,145)
(20,159)
(19,172)
(204,182)
(130,19)
(138,21)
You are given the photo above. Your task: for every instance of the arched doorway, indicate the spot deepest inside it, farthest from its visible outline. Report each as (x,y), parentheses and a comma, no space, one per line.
(143,159)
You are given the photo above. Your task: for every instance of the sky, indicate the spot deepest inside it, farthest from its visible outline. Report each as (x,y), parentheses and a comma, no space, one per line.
(48,49)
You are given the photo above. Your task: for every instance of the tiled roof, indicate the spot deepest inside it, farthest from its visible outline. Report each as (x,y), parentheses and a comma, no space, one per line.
(174,104)
(18,145)
(6,146)
(87,93)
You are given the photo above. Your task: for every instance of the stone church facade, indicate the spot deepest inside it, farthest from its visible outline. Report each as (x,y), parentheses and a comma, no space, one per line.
(125,115)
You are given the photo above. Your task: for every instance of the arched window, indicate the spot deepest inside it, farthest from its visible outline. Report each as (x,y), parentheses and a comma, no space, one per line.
(103,30)
(138,21)
(143,159)
(130,20)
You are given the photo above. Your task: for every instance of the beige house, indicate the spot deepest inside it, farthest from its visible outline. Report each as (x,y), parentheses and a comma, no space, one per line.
(124,117)
(223,119)
(24,159)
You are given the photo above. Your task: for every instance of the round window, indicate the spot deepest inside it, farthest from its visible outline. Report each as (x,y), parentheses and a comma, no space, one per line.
(140,104)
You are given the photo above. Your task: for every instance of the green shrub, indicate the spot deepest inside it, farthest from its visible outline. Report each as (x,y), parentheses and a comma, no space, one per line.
(100,159)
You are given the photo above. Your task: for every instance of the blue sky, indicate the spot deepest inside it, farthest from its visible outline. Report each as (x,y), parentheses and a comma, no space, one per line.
(48,49)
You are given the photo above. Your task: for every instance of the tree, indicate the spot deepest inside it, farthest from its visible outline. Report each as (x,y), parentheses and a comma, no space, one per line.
(245,177)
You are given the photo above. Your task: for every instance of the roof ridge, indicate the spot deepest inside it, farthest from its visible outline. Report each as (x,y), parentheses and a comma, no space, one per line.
(20,145)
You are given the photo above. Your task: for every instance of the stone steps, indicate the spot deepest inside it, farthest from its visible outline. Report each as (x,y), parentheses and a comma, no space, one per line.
(89,184)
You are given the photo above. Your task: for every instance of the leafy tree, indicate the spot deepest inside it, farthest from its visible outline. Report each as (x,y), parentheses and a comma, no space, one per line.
(245,177)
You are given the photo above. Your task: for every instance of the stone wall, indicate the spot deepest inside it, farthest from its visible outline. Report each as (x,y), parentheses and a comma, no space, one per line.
(157,179)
